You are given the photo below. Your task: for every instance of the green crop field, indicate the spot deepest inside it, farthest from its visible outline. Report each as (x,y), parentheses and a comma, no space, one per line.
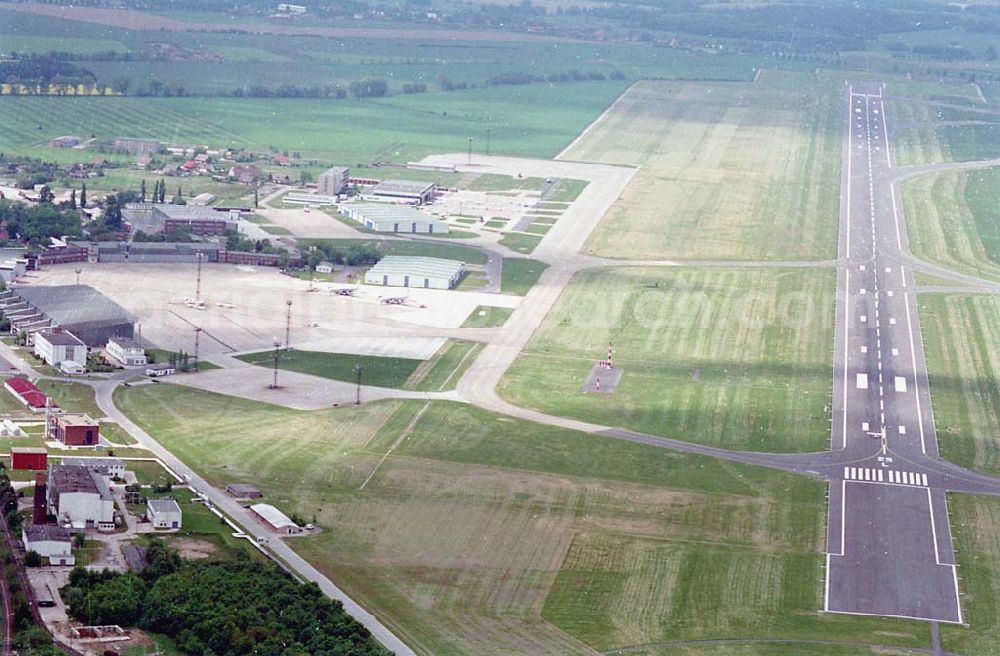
(975,525)
(464,538)
(728,171)
(961,336)
(530,121)
(737,358)
(436,374)
(953,219)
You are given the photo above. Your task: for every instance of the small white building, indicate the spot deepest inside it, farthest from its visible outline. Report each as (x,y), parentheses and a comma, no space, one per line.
(80,498)
(276,519)
(56,346)
(126,352)
(52,542)
(72,368)
(324,267)
(415,271)
(160,369)
(163,513)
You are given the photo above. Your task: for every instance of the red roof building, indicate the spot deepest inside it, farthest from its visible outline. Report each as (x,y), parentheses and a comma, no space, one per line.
(26,392)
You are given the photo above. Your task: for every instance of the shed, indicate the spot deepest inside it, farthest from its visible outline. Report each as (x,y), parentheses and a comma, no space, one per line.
(29,457)
(243,491)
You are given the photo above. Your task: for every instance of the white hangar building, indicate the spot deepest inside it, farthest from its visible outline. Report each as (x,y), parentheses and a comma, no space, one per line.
(415,271)
(383,217)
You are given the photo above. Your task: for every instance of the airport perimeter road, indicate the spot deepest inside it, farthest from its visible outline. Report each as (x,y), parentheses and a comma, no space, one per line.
(252,526)
(889,540)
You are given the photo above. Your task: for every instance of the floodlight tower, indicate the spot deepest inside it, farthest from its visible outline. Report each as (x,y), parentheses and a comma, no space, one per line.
(288,324)
(277,350)
(470,151)
(197,335)
(358,368)
(77,271)
(197,290)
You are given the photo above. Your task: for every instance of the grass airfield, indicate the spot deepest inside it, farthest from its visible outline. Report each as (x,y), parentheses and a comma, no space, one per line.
(735,171)
(556,543)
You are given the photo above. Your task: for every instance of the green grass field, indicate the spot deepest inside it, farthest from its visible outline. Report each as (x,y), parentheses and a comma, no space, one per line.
(520,242)
(519,275)
(737,358)
(72,397)
(485,316)
(728,171)
(975,525)
(961,334)
(466,538)
(530,121)
(952,219)
(436,374)
(410,247)
(947,143)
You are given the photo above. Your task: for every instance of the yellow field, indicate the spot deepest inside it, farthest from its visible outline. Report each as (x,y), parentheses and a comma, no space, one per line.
(727,170)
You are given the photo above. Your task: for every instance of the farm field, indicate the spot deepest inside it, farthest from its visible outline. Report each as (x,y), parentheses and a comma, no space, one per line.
(728,171)
(735,358)
(529,121)
(952,220)
(975,524)
(961,334)
(517,499)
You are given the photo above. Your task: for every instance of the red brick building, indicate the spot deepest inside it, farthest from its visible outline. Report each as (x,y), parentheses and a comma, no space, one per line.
(26,457)
(75,430)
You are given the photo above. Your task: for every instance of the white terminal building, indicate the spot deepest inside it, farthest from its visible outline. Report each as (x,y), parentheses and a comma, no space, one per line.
(415,271)
(383,217)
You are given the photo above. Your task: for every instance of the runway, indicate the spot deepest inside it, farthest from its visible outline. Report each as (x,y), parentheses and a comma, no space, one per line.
(889,540)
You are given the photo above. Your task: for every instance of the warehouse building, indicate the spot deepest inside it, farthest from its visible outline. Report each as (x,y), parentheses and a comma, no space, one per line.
(408,192)
(274,518)
(52,542)
(29,395)
(414,271)
(56,346)
(79,497)
(383,217)
(333,181)
(309,200)
(163,513)
(107,467)
(80,309)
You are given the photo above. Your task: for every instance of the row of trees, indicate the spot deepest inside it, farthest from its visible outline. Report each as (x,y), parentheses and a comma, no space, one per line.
(356,255)
(217,608)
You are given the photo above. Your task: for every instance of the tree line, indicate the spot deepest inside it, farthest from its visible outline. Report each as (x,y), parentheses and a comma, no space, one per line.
(219,608)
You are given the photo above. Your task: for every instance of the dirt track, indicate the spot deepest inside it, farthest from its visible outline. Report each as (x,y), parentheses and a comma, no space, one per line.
(137,20)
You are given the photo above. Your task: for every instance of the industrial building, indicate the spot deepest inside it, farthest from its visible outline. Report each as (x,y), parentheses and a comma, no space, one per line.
(29,457)
(57,345)
(107,467)
(80,309)
(414,271)
(274,518)
(54,543)
(202,221)
(383,217)
(163,513)
(74,429)
(409,192)
(243,491)
(126,352)
(333,181)
(309,200)
(80,498)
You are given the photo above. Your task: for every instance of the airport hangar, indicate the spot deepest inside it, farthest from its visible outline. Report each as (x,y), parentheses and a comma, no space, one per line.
(385,217)
(80,309)
(415,271)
